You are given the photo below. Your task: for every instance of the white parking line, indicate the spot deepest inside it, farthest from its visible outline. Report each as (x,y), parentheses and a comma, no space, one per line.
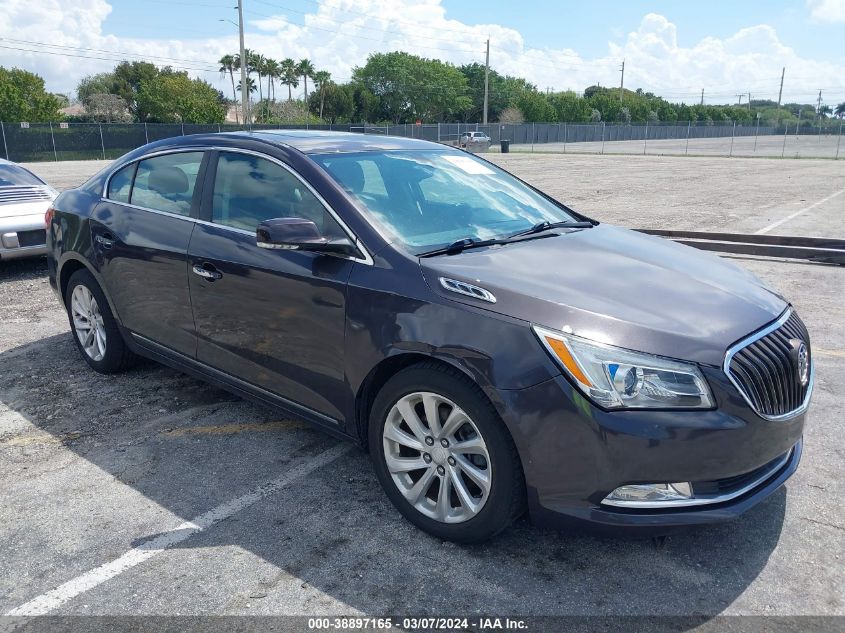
(775,225)
(54,598)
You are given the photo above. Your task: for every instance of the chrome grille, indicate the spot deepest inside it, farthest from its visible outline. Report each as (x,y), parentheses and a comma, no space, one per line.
(11,195)
(765,368)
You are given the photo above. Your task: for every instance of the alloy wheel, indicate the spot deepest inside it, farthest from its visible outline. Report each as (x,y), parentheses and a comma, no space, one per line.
(88,323)
(437,457)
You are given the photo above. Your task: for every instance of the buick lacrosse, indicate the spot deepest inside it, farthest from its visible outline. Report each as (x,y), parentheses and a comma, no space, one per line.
(494,351)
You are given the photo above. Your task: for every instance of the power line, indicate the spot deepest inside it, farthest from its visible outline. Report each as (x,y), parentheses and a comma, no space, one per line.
(102,50)
(125,57)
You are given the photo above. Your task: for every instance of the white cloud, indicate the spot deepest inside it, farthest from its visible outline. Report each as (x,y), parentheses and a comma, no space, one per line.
(337,39)
(827,10)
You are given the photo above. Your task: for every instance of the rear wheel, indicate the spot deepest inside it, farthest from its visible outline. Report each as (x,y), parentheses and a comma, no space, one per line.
(93,326)
(444,456)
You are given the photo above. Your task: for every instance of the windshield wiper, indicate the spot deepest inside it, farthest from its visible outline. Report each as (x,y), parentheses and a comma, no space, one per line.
(545,225)
(470,242)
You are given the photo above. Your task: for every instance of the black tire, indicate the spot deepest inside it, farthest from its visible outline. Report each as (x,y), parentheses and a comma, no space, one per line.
(117,356)
(506,499)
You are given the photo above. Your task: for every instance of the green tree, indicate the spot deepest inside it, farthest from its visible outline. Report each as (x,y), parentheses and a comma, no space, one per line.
(840,110)
(272,67)
(502,92)
(227,66)
(366,106)
(101,83)
(290,75)
(23,98)
(338,102)
(174,98)
(305,69)
(570,107)
(258,63)
(410,87)
(128,79)
(250,82)
(321,78)
(535,107)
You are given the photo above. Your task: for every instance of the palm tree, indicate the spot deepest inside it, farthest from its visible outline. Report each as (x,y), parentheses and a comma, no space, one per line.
(250,82)
(227,65)
(271,66)
(290,75)
(321,78)
(258,62)
(840,110)
(305,69)
(824,111)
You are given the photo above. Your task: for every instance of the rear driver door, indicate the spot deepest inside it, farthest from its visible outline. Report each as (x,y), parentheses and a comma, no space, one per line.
(140,234)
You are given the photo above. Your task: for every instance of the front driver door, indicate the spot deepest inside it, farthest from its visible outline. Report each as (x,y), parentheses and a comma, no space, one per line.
(273,318)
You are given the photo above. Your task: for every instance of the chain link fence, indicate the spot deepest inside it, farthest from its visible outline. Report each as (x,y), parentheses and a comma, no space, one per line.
(22,142)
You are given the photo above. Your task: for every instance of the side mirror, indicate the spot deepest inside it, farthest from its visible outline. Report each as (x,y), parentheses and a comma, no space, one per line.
(299,234)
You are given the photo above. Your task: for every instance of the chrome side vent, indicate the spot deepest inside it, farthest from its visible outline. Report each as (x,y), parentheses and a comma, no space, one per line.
(463,288)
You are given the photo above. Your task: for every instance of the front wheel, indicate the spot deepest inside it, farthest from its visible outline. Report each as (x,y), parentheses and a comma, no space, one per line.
(444,456)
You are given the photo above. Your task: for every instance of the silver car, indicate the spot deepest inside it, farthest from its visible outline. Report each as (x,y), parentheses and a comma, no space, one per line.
(24,200)
(475,141)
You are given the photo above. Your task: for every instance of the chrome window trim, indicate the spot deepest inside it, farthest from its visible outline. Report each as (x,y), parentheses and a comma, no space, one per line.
(138,207)
(366,257)
(748,341)
(708,500)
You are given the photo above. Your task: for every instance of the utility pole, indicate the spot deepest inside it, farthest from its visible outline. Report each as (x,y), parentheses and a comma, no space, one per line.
(749,102)
(740,98)
(780,94)
(486,80)
(622,82)
(244,86)
(702,96)
(819,107)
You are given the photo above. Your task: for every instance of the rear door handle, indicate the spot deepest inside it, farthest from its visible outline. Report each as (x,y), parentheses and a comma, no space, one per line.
(106,240)
(207,271)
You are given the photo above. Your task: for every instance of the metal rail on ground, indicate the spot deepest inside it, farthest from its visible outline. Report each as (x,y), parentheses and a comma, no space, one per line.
(818,250)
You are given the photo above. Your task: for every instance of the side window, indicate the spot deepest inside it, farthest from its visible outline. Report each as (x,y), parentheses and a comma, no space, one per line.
(121,184)
(166,183)
(249,189)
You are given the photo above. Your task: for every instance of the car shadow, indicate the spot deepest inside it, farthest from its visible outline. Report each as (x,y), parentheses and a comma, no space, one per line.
(334,531)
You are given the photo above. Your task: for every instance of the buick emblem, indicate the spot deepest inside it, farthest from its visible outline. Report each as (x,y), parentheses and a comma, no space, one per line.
(801,358)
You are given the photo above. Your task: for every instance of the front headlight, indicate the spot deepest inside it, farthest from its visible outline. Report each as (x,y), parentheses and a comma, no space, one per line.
(616,378)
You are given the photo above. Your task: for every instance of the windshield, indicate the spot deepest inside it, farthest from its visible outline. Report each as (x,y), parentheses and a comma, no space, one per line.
(429,199)
(14,176)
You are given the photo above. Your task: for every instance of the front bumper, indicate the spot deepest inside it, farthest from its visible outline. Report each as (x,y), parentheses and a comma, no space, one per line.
(575,454)
(22,236)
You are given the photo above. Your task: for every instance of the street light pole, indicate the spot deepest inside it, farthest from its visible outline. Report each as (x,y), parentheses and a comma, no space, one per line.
(486,80)
(244,86)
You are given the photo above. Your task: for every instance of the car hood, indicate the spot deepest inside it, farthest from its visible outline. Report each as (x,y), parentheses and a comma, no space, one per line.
(618,287)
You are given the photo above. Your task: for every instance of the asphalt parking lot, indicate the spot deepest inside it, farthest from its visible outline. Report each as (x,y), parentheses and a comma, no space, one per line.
(152,493)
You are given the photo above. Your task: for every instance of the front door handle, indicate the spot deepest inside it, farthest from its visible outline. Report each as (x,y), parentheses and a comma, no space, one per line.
(207,271)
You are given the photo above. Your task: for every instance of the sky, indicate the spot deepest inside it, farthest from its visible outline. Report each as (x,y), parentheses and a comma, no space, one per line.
(674,49)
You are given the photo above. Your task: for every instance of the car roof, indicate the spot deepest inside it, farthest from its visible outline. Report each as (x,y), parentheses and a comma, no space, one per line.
(325,141)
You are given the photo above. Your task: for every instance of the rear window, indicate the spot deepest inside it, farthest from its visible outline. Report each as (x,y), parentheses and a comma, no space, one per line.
(14,176)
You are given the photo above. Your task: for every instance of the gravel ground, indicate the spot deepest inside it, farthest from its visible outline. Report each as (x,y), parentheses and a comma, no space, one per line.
(92,466)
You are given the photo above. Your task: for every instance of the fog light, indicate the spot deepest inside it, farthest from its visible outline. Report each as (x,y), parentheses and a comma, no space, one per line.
(648,495)
(9,240)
